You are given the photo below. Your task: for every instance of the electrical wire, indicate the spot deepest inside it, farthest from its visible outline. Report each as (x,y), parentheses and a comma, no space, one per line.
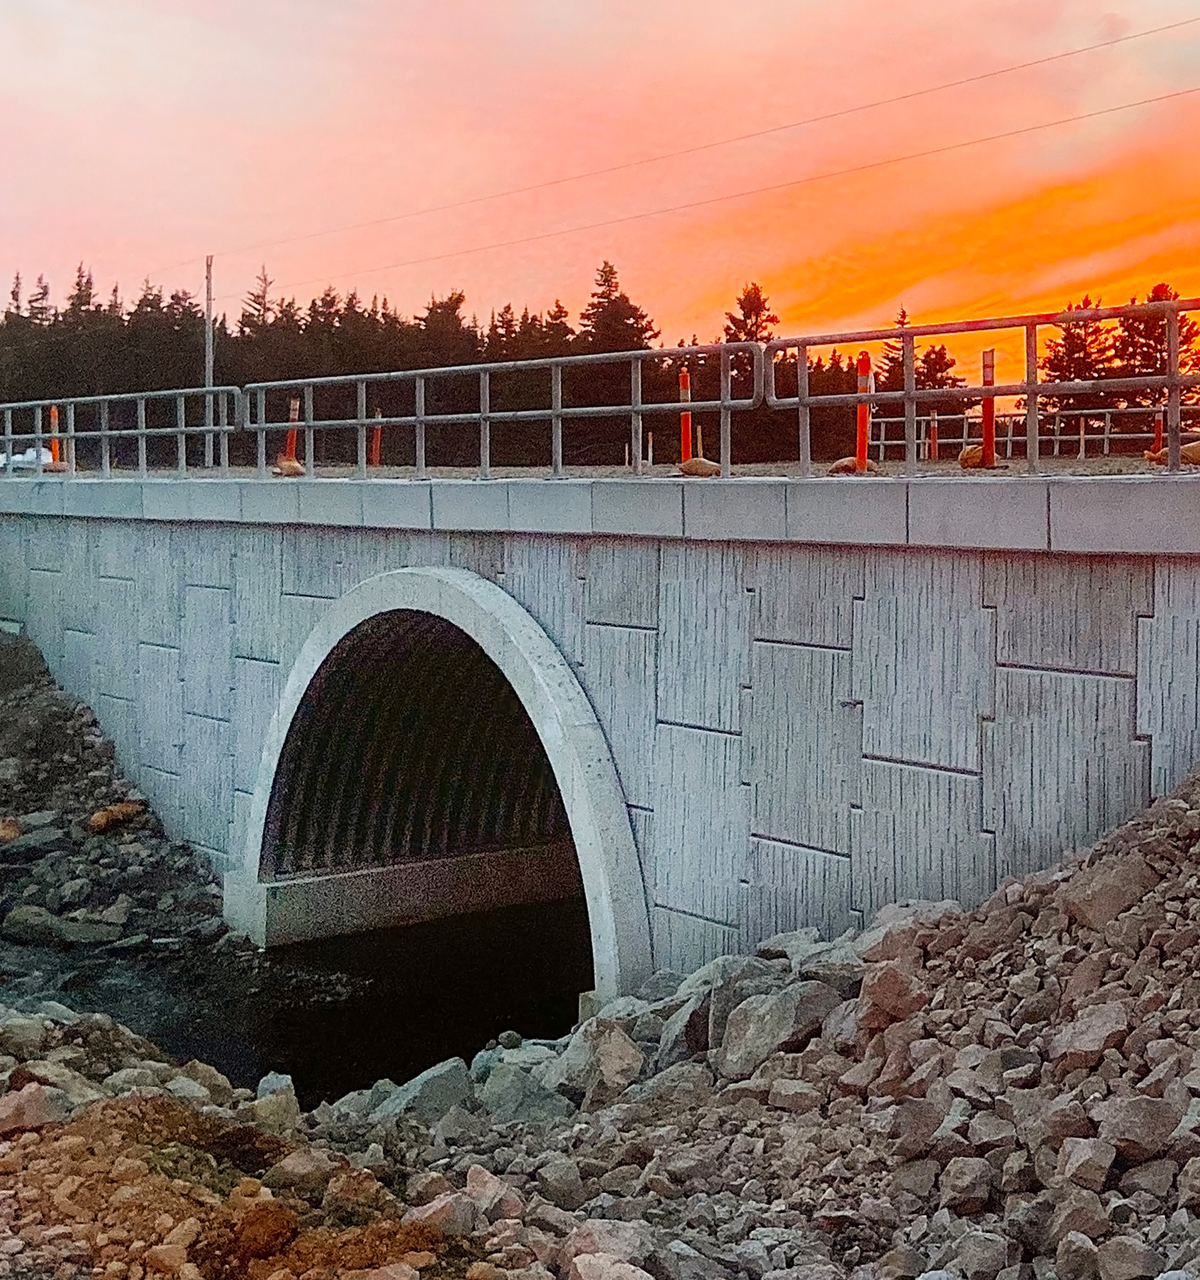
(755,191)
(700,147)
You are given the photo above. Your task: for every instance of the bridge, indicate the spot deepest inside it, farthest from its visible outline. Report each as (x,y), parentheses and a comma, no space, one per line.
(716,709)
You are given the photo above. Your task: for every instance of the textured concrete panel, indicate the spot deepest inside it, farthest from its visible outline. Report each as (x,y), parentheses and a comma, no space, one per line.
(701,823)
(79,665)
(704,620)
(47,545)
(397,505)
(918,835)
(257,585)
(207,651)
(1136,515)
(852,511)
(14,575)
(164,790)
(1061,765)
(119,720)
(1168,679)
(470,504)
(622,582)
(1068,611)
(790,887)
(256,689)
(159,566)
(297,617)
(335,502)
(312,562)
(546,576)
(618,676)
(115,605)
(120,548)
(78,567)
(804,745)
(923,658)
(109,499)
(159,708)
(208,554)
(682,943)
(481,553)
(207,781)
(44,616)
(806,595)
(550,506)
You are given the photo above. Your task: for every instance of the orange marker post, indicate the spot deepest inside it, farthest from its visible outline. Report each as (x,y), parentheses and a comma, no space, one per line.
(293,416)
(989,410)
(864,411)
(685,418)
(376,440)
(1158,430)
(933,436)
(54,455)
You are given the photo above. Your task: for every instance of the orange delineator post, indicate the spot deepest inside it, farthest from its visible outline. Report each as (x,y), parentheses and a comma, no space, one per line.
(864,411)
(54,433)
(933,436)
(1158,430)
(293,416)
(685,418)
(989,410)
(376,434)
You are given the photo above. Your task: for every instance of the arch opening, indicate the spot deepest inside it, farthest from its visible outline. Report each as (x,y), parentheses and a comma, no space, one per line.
(433,754)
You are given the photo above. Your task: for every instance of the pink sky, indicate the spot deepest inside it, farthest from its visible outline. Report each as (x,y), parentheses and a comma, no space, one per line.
(141,134)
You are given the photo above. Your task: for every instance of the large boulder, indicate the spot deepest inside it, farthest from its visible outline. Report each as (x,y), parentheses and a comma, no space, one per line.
(1083,1042)
(1139,1128)
(513,1094)
(766,1024)
(599,1062)
(1098,894)
(430,1095)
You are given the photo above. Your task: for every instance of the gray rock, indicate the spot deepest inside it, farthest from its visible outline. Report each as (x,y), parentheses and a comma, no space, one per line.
(34,845)
(598,1063)
(1076,1257)
(483,1062)
(559,1182)
(273,1082)
(685,1033)
(512,1094)
(660,985)
(966,1184)
(430,1095)
(981,1255)
(509,1040)
(765,1024)
(1128,1258)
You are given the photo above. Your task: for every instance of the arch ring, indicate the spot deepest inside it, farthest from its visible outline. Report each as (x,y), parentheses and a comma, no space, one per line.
(564,721)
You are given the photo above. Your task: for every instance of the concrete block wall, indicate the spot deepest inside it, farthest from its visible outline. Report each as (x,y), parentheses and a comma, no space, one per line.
(803,731)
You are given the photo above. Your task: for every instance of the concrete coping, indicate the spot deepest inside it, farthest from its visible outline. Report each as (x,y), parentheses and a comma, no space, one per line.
(1130,514)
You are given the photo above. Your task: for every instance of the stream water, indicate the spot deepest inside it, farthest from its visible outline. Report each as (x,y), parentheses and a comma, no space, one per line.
(336,1014)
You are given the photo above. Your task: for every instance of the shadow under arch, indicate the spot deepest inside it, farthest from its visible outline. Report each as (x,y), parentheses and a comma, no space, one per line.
(305,870)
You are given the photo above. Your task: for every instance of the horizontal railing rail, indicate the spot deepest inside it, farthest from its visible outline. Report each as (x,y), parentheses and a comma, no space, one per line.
(177,430)
(1030,389)
(54,431)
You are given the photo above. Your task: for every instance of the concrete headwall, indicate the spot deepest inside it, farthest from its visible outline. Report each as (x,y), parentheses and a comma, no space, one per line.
(807,722)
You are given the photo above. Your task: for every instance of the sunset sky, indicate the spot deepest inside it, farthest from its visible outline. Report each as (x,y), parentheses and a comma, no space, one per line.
(139,135)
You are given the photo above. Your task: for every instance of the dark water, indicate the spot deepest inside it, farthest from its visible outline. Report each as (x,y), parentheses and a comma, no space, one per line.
(340,1013)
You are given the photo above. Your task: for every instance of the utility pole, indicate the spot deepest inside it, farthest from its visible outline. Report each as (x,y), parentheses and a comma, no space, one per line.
(208,362)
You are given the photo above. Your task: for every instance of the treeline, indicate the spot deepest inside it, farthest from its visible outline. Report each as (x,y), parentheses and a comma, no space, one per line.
(96,346)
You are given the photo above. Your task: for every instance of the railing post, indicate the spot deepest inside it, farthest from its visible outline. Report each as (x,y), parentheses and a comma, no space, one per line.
(181,435)
(141,439)
(910,404)
(70,439)
(419,435)
(208,423)
(635,414)
(1173,390)
(223,410)
(485,424)
(261,433)
(8,442)
(105,453)
(1032,443)
(361,428)
(556,421)
(310,458)
(803,413)
(726,414)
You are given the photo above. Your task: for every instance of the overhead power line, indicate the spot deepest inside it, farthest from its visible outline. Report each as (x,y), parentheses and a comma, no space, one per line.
(756,191)
(700,147)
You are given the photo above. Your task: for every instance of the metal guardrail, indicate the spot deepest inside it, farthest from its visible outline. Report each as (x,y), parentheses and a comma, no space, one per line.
(1029,388)
(216,424)
(485,416)
(213,416)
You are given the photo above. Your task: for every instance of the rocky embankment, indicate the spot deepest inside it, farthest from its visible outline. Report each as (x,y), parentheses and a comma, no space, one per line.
(1012,1092)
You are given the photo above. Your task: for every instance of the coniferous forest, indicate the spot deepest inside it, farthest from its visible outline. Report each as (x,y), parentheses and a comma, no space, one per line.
(96,345)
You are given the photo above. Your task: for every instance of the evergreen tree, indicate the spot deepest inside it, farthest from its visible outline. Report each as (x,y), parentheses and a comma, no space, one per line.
(1140,346)
(40,311)
(754,319)
(14,297)
(1083,353)
(256,310)
(890,375)
(611,321)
